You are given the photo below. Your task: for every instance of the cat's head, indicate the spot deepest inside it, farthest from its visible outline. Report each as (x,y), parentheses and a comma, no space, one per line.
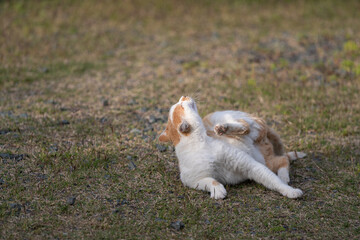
(182,121)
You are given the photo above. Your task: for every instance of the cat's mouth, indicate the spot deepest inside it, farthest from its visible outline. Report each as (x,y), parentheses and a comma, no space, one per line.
(189,101)
(185,98)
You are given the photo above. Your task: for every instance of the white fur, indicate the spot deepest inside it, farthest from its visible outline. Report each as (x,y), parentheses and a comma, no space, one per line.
(208,163)
(296,155)
(283,174)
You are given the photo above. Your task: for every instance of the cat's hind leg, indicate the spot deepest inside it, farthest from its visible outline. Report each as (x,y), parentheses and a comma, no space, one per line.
(283,174)
(266,177)
(208,184)
(263,175)
(279,165)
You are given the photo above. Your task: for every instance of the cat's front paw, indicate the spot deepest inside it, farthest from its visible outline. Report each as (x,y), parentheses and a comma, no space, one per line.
(221,129)
(293,193)
(218,192)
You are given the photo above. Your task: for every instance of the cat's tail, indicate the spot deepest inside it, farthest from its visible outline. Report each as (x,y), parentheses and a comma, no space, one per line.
(295,155)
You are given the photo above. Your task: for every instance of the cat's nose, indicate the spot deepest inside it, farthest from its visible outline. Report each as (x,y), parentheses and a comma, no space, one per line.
(184,98)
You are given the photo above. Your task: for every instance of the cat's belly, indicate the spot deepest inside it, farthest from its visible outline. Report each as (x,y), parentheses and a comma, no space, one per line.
(228,177)
(233,178)
(246,146)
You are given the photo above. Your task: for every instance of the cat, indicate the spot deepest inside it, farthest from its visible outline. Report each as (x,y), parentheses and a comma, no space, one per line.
(208,163)
(234,126)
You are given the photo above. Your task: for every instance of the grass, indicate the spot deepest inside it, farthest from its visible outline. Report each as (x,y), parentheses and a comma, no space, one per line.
(85,88)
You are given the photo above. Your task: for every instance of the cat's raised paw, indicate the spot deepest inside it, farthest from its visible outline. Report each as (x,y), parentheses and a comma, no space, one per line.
(220,129)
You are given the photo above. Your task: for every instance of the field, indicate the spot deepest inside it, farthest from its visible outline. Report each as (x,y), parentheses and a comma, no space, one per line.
(85,89)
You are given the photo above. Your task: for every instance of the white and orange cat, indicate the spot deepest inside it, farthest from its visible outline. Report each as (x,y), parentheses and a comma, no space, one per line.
(210,157)
(239,129)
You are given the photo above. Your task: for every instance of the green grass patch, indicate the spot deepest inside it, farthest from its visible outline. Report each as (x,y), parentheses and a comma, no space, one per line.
(53,71)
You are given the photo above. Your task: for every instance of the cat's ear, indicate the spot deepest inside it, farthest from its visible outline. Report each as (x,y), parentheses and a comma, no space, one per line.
(185,127)
(164,137)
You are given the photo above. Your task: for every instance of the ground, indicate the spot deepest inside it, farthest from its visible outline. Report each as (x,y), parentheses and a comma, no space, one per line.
(85,88)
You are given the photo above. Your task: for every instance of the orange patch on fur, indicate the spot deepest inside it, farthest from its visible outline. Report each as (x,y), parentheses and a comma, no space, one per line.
(277,162)
(171,128)
(215,183)
(262,130)
(177,115)
(272,161)
(283,162)
(246,125)
(163,137)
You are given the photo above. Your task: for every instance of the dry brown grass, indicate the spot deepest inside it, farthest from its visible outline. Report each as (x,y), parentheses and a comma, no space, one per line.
(85,91)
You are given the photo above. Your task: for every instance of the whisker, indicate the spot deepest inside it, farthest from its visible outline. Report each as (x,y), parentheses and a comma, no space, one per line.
(196,95)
